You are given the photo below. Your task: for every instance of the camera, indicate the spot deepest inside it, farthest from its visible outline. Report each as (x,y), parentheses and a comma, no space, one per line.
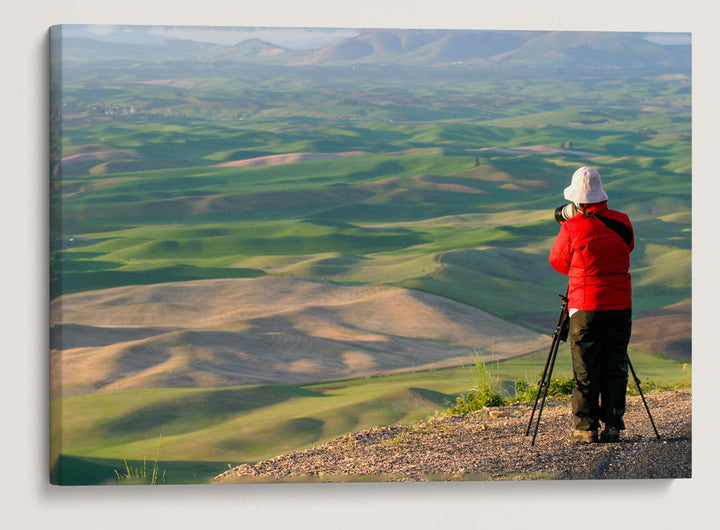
(565,212)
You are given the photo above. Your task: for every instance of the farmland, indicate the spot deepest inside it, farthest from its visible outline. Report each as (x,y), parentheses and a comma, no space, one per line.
(229,242)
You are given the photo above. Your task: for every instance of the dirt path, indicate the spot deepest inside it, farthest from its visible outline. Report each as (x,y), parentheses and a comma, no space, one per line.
(491,445)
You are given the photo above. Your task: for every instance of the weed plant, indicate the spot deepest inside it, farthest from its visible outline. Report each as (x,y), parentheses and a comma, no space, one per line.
(485,393)
(485,376)
(139,475)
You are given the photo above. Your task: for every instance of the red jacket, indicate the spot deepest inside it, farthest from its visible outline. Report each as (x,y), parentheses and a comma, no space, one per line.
(596,259)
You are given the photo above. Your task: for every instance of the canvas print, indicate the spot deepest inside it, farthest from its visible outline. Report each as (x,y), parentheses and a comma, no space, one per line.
(346,254)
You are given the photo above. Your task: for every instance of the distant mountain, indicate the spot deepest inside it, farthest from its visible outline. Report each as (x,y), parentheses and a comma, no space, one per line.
(583,50)
(255,48)
(416,47)
(529,50)
(509,49)
(461,46)
(374,45)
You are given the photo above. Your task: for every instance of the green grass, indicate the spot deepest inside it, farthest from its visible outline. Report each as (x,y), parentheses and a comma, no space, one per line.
(204,430)
(468,249)
(201,222)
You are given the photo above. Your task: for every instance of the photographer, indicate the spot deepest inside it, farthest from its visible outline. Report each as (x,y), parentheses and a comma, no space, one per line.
(593,249)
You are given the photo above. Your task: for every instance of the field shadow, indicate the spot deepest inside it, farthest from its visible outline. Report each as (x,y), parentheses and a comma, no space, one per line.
(198,410)
(383,169)
(74,282)
(438,398)
(69,336)
(87,471)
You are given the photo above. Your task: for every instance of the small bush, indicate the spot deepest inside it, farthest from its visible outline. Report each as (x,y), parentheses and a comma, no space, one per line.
(473,401)
(486,391)
(558,388)
(647,387)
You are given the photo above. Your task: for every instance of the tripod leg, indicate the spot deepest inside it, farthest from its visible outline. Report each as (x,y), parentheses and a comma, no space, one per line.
(542,383)
(547,388)
(560,335)
(647,409)
(556,338)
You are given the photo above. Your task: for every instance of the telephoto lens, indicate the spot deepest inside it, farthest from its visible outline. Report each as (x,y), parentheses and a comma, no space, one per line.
(565,212)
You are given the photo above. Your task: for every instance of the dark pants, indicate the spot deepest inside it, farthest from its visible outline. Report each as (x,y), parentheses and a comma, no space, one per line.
(598,343)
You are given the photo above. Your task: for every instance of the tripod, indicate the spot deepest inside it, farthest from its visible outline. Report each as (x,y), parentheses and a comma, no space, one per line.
(560,335)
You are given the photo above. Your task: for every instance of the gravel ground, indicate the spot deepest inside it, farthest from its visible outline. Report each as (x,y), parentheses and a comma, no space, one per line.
(491,445)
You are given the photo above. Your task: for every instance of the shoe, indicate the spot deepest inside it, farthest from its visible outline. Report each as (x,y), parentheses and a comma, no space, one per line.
(610,434)
(584,436)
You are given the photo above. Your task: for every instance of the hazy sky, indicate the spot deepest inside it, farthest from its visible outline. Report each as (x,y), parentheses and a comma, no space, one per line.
(292,38)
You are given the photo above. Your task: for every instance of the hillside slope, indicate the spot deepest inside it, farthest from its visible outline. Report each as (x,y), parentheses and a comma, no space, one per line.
(265,330)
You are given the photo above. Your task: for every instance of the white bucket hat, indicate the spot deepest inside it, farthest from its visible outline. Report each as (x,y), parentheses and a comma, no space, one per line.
(586,187)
